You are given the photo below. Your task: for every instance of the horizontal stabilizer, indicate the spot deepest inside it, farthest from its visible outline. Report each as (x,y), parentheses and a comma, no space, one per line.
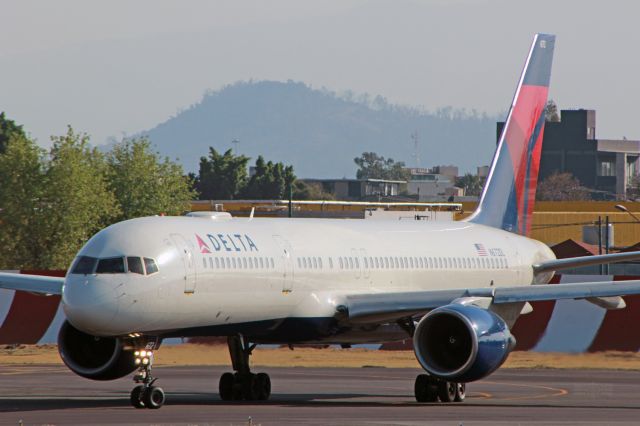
(574,262)
(46,286)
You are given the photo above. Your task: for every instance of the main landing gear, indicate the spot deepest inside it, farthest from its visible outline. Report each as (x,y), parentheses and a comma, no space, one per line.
(145,395)
(429,389)
(243,384)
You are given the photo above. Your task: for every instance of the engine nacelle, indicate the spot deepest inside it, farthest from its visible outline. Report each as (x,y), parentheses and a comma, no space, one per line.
(462,343)
(97,358)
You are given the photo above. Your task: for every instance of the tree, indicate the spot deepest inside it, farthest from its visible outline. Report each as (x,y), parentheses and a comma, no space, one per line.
(77,200)
(310,191)
(551,112)
(472,184)
(561,187)
(8,128)
(221,177)
(269,181)
(22,175)
(145,184)
(373,166)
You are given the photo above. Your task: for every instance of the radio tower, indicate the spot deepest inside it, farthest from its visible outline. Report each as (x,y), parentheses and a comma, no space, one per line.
(416,148)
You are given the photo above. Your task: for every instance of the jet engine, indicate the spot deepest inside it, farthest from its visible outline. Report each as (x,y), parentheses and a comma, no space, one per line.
(92,357)
(462,343)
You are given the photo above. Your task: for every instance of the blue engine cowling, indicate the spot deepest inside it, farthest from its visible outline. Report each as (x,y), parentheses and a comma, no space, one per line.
(462,343)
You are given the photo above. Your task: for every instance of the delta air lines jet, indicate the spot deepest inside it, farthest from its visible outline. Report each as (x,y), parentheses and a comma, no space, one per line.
(455,288)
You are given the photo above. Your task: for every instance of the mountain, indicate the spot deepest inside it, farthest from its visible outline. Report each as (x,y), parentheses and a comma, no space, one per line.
(319,132)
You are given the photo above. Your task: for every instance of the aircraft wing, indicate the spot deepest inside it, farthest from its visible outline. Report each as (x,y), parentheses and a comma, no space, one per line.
(380,307)
(573,262)
(39,284)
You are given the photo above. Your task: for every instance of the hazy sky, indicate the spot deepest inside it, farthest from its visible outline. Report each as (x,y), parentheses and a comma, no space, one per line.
(119,67)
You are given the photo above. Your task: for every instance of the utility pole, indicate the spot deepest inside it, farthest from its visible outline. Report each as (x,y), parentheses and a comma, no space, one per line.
(416,147)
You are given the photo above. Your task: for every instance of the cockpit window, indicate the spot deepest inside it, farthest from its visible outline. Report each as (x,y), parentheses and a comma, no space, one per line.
(150,266)
(111,265)
(135,265)
(84,265)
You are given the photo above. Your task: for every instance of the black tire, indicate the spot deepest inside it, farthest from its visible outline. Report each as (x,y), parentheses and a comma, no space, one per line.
(136,396)
(461,392)
(250,388)
(225,386)
(153,398)
(263,382)
(425,389)
(446,391)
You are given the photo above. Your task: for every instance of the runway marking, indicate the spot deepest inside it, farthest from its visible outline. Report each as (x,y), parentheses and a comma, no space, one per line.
(557,391)
(14,371)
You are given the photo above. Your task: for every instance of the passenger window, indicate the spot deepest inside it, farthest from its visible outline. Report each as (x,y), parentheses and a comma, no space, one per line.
(272,264)
(315,263)
(233,263)
(357,262)
(377,263)
(244,262)
(135,265)
(330,262)
(421,262)
(204,262)
(84,265)
(112,265)
(299,263)
(320,262)
(340,263)
(262,262)
(366,263)
(150,266)
(350,262)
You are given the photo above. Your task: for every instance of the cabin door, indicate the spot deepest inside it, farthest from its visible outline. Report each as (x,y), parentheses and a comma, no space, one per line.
(186,253)
(286,260)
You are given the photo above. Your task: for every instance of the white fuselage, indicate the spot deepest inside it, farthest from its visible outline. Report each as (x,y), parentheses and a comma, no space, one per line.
(214,275)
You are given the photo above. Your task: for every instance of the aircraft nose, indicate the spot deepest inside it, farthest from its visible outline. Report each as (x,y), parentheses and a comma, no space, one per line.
(91,303)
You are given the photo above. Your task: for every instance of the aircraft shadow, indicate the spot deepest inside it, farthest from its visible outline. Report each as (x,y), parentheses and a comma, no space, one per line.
(282,400)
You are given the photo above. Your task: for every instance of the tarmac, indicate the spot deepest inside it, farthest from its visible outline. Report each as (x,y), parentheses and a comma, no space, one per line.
(318,396)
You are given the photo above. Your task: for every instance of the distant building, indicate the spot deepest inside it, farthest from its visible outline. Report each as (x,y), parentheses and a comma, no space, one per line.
(429,185)
(360,189)
(606,166)
(483,171)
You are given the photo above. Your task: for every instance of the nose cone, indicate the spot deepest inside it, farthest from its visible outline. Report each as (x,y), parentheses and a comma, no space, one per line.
(91,303)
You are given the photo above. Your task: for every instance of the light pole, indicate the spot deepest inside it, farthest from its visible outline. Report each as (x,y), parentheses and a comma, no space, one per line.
(626,210)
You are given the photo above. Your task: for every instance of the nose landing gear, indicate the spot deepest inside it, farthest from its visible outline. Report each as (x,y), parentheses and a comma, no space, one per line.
(145,394)
(243,384)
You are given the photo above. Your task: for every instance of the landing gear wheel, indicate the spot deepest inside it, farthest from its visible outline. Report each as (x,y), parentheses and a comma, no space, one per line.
(245,385)
(263,383)
(425,389)
(153,397)
(225,386)
(461,392)
(136,396)
(250,390)
(447,391)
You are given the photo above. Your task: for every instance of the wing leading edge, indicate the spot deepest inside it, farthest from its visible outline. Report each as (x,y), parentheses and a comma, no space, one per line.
(380,307)
(39,284)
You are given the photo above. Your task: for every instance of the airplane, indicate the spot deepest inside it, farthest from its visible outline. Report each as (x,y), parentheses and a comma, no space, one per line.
(455,288)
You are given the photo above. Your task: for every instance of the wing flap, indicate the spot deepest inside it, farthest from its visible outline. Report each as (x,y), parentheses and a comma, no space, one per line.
(39,284)
(380,307)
